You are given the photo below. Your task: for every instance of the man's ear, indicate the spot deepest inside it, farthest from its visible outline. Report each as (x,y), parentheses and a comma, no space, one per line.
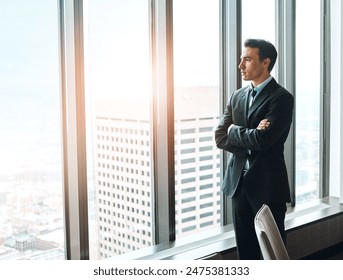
(266,62)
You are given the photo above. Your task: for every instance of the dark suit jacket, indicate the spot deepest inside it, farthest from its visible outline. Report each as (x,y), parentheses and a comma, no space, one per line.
(266,180)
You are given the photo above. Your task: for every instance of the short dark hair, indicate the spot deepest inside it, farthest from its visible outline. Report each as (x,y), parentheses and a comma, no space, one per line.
(265,50)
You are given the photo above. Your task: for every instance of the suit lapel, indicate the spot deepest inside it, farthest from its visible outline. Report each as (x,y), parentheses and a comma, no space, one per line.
(245,104)
(262,96)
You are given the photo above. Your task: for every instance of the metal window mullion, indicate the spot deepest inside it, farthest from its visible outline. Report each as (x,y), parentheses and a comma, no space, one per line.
(325,88)
(73,127)
(163,121)
(340,127)
(230,80)
(286,73)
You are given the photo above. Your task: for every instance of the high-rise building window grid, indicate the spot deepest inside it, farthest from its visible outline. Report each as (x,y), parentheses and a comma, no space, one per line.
(126,141)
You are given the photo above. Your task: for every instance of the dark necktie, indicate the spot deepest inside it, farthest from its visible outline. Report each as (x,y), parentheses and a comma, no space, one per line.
(253,93)
(252,96)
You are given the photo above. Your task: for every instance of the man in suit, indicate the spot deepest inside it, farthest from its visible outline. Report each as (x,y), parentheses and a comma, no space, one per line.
(254,128)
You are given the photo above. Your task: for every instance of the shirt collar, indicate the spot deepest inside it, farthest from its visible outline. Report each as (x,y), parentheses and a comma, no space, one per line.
(259,88)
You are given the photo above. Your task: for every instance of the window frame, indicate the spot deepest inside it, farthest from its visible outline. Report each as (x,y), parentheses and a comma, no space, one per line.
(73,129)
(162,108)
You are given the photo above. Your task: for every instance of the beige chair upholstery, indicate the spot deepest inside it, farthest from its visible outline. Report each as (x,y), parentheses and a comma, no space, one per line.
(268,235)
(214,256)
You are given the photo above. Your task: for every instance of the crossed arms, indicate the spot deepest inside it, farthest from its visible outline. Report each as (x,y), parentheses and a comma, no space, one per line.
(273,127)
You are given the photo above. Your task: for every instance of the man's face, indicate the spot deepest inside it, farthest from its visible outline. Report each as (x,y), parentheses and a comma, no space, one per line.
(252,68)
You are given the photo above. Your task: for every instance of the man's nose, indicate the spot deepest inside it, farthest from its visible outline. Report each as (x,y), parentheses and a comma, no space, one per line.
(241,66)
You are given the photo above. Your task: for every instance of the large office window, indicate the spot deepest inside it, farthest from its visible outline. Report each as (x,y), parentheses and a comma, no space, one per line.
(118,51)
(307,100)
(118,124)
(31,200)
(196,95)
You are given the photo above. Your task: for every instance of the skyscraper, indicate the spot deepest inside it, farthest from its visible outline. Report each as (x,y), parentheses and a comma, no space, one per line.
(124,171)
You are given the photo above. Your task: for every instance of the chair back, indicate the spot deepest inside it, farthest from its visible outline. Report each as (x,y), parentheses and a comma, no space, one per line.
(268,235)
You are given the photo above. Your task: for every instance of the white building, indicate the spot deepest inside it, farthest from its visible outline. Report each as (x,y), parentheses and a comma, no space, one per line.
(123,170)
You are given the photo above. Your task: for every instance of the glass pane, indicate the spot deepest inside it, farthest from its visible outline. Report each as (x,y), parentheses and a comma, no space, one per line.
(308,101)
(257,26)
(118,126)
(31,198)
(254,24)
(196,62)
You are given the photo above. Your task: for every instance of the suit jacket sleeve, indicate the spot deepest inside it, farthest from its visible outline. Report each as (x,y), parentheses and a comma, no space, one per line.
(279,113)
(221,135)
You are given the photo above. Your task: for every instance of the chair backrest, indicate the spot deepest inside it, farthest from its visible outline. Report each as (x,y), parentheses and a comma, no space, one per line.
(268,235)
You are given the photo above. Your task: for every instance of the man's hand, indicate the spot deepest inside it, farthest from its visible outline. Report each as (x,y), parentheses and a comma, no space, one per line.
(263,125)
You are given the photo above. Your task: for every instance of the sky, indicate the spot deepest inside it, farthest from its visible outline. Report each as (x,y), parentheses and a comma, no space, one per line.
(29,84)
(117,56)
